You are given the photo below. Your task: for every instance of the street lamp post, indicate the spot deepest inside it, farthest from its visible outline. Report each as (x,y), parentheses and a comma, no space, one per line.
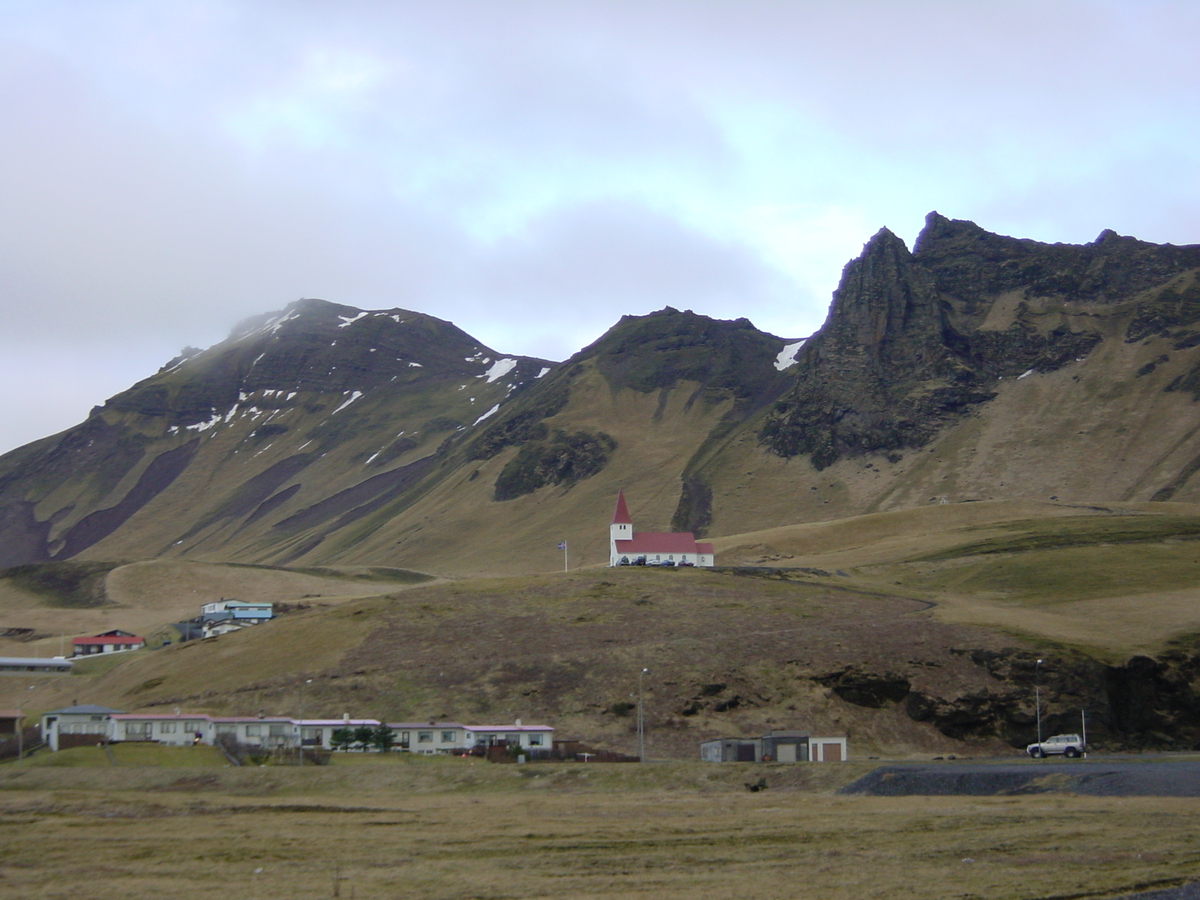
(300,727)
(1037,693)
(641,720)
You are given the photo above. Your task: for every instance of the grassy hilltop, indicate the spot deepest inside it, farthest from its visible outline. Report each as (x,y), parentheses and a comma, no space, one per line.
(912,631)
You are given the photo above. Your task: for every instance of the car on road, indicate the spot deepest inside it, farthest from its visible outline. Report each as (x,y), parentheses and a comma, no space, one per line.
(1068,745)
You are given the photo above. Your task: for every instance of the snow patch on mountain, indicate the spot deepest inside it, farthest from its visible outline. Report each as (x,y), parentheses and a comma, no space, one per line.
(499,369)
(787,356)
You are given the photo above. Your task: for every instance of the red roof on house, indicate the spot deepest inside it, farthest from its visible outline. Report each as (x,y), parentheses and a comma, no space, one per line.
(170,717)
(621,513)
(131,639)
(663,542)
(510,727)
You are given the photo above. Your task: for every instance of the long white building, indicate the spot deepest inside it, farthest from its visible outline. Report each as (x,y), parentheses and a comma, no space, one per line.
(97,724)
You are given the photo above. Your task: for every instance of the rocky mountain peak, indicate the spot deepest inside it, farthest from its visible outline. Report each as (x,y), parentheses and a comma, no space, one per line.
(316,347)
(884,303)
(660,349)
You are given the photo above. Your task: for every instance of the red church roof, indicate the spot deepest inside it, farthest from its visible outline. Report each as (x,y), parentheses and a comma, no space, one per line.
(663,542)
(621,513)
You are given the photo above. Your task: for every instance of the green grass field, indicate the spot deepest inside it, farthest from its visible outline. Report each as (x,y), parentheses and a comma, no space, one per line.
(1113,580)
(126,754)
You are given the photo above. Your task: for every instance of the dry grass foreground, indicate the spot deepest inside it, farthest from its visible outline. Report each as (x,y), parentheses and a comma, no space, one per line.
(444,830)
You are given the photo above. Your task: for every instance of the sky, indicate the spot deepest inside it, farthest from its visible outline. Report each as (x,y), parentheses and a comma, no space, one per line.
(532,171)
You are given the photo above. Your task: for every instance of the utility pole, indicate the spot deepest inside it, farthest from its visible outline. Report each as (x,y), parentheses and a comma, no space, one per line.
(641,719)
(1037,692)
(300,726)
(562,545)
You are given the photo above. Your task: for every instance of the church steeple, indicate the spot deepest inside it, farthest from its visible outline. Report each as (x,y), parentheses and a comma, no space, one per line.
(621,528)
(621,513)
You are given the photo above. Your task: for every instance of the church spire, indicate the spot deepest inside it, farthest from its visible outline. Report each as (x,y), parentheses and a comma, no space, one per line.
(621,529)
(621,513)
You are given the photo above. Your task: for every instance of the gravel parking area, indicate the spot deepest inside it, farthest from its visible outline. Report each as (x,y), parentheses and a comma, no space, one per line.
(1186,892)
(1105,777)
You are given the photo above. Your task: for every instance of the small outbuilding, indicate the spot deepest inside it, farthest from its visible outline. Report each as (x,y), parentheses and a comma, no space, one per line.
(10,722)
(776,746)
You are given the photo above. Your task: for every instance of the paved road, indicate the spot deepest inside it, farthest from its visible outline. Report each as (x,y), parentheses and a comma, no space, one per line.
(1155,776)
(1187,892)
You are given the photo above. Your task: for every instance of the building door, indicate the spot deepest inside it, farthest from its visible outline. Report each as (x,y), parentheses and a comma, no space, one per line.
(745,753)
(830,752)
(785,752)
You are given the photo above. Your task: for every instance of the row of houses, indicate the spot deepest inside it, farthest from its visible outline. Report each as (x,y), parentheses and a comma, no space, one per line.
(216,618)
(85,725)
(88,724)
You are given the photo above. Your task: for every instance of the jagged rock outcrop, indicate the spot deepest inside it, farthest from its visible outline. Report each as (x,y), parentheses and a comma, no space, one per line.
(915,340)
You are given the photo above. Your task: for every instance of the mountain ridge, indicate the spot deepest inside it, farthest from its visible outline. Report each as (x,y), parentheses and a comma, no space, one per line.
(974,366)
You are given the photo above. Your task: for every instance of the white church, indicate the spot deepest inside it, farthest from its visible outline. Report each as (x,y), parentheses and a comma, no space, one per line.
(652,548)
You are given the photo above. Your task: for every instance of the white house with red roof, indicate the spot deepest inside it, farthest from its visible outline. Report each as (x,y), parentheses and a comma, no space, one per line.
(652,548)
(109,642)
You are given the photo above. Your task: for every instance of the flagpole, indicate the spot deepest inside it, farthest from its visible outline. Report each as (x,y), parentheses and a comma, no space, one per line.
(564,549)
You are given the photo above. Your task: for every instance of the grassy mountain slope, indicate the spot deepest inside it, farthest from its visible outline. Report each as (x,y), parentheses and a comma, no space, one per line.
(1115,579)
(47,604)
(974,367)
(914,631)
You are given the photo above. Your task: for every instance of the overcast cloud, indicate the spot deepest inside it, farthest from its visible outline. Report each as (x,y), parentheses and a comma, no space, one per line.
(534,170)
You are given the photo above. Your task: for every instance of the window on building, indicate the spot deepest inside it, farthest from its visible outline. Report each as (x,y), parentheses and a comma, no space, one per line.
(276,730)
(192,726)
(253,730)
(167,727)
(535,740)
(226,729)
(448,737)
(424,737)
(137,728)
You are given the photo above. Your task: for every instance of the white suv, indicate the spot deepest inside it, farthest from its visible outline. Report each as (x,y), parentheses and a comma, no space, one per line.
(1068,745)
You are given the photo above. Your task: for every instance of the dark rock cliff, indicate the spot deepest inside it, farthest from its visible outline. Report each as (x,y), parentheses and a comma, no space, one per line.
(913,340)
(1144,703)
